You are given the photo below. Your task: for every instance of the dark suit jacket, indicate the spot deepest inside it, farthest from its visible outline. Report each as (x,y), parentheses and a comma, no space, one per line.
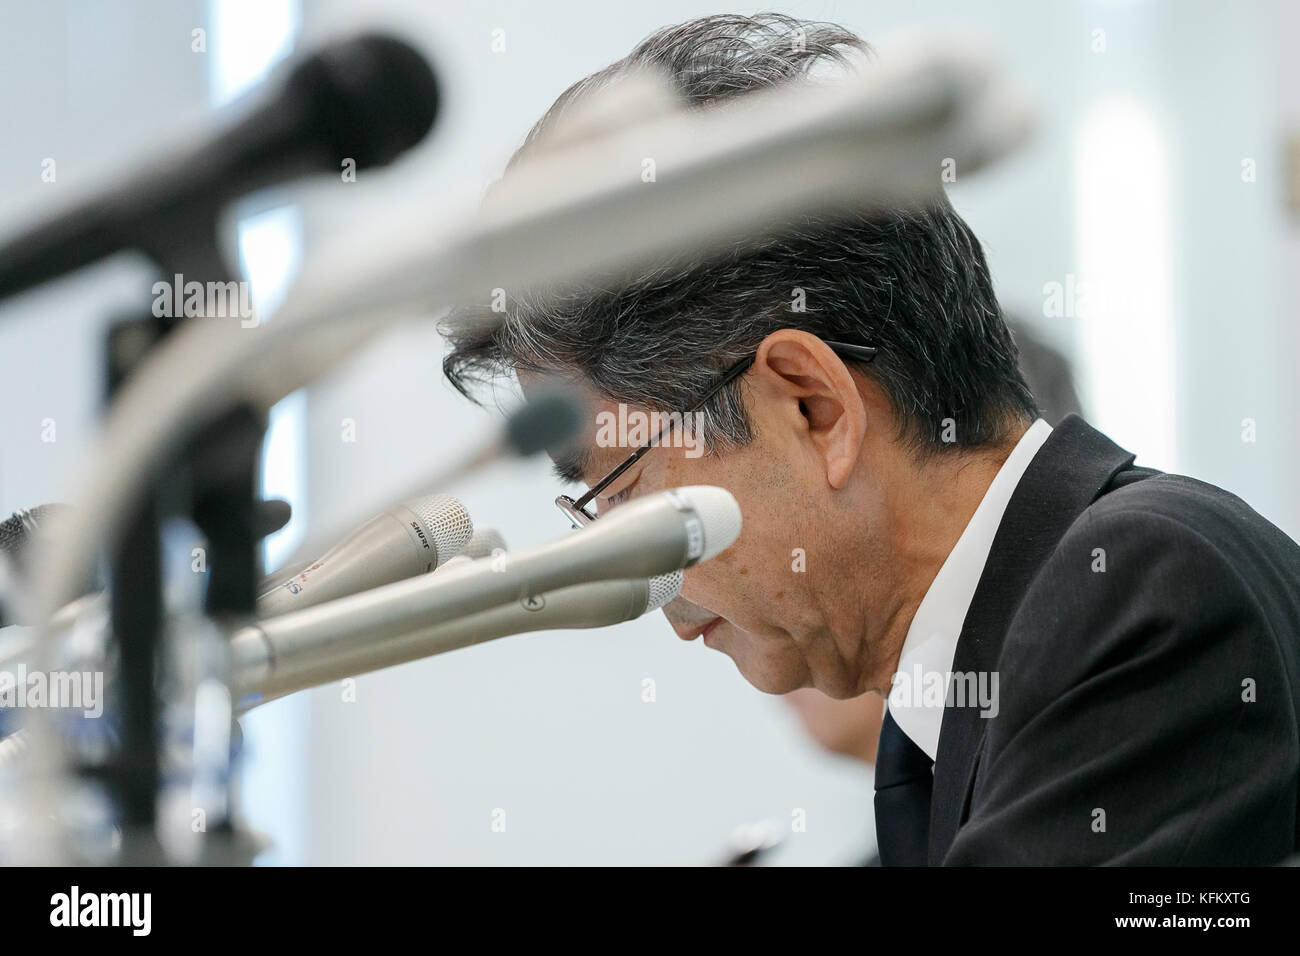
(1147,711)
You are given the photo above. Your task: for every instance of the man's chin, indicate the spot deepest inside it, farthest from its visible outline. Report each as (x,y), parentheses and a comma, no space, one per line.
(769,673)
(770,682)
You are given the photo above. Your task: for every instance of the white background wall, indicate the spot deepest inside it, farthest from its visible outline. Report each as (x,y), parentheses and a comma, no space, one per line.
(551,728)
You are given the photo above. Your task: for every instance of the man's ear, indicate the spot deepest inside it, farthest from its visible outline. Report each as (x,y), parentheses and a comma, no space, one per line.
(818,394)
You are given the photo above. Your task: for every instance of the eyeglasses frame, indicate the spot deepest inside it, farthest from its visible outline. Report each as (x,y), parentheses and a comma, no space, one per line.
(576,510)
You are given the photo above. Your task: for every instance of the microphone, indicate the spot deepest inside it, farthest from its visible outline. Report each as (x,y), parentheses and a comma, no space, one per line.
(21,534)
(651,537)
(547,421)
(487,542)
(27,530)
(18,529)
(278,656)
(406,540)
(368,99)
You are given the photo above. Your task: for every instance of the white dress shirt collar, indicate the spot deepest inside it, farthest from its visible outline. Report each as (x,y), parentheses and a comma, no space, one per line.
(925,664)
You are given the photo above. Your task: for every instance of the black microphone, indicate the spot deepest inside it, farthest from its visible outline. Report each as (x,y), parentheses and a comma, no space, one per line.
(368,99)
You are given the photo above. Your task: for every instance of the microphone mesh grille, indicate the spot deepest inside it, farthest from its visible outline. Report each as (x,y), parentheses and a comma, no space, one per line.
(21,525)
(663,588)
(13,534)
(445,521)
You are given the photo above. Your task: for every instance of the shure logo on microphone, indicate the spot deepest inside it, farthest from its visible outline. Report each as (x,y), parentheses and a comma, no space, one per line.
(131,910)
(419,533)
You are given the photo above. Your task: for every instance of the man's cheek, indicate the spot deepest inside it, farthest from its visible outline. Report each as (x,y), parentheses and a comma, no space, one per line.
(711,586)
(697,588)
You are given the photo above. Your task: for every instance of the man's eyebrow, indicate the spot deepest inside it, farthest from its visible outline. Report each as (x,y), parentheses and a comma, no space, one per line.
(571,465)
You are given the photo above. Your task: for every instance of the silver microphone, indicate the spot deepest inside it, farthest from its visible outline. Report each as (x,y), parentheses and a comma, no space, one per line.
(546,421)
(406,540)
(649,538)
(488,542)
(278,656)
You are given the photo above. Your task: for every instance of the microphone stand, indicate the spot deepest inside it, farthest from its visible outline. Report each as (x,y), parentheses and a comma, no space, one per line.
(214,482)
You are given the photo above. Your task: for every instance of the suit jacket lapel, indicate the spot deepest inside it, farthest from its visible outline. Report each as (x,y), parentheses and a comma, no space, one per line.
(1069,472)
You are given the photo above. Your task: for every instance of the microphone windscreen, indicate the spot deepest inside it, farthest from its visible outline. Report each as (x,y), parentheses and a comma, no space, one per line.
(445,521)
(370,99)
(663,588)
(272,515)
(22,534)
(547,422)
(17,530)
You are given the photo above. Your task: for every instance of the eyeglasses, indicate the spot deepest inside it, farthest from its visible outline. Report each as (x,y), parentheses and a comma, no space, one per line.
(576,511)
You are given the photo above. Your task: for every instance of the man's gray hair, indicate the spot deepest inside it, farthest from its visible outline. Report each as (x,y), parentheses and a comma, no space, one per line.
(912,282)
